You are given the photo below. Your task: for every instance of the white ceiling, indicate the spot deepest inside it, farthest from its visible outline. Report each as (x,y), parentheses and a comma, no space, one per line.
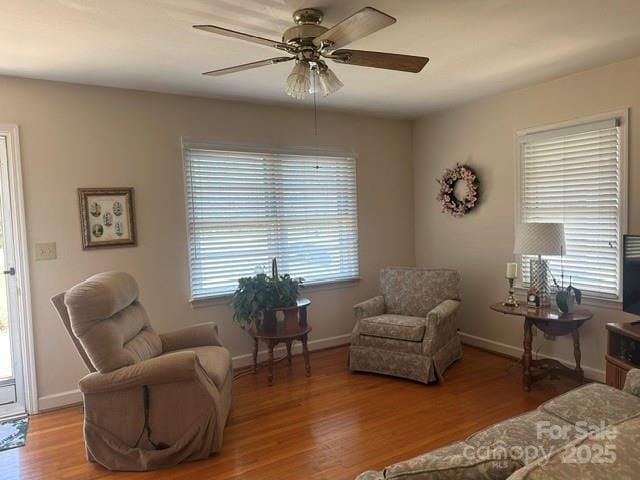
(477,47)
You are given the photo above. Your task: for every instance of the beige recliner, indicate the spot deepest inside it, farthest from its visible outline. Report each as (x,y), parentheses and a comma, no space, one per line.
(151,400)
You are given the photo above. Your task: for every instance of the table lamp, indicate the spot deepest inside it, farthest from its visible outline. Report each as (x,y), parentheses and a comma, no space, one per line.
(540,239)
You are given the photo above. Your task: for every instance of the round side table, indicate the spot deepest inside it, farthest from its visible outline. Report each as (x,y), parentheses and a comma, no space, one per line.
(551,322)
(272,332)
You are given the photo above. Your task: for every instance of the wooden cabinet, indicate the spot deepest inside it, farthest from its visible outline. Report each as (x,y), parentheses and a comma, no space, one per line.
(623,351)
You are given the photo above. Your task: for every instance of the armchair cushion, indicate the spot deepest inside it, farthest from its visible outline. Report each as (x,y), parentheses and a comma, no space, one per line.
(200,335)
(216,362)
(400,327)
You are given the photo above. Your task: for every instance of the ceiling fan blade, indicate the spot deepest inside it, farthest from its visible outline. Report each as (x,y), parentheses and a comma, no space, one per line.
(242,36)
(362,23)
(248,66)
(390,61)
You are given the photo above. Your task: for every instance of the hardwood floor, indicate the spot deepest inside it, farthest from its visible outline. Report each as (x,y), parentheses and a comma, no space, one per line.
(333,425)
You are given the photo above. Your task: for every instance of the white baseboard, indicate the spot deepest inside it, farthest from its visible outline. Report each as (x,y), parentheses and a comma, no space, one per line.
(58,400)
(516,352)
(246,360)
(72,397)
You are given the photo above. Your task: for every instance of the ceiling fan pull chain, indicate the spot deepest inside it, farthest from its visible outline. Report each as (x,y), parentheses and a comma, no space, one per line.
(315,114)
(315,106)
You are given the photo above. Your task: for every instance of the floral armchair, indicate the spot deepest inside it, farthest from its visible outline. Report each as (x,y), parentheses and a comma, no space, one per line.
(409,330)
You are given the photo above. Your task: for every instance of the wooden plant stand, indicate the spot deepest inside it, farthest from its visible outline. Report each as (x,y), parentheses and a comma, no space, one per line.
(293,327)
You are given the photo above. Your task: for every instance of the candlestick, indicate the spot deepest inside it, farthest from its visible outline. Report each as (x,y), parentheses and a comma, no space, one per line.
(511,299)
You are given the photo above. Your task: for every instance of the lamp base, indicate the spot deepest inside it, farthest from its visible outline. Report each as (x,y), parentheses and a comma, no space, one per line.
(539,279)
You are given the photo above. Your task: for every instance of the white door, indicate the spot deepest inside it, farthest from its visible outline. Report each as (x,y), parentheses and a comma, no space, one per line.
(12,392)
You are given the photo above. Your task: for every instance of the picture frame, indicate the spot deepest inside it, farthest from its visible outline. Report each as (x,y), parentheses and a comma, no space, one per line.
(107,217)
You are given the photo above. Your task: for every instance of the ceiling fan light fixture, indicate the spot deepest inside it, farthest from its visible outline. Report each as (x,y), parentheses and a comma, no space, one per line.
(328,82)
(299,80)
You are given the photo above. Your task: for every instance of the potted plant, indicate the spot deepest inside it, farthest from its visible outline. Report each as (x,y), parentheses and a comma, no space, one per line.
(566,298)
(257,298)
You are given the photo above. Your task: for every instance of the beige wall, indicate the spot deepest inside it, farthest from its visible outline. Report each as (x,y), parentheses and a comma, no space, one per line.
(77,136)
(482,134)
(73,136)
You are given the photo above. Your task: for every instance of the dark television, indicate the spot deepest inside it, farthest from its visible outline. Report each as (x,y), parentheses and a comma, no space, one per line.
(631,274)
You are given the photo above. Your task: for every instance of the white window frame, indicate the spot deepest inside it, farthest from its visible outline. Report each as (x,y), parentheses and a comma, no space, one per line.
(187,142)
(622,115)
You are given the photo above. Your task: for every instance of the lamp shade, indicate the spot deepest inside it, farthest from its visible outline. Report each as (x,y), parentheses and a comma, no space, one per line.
(540,239)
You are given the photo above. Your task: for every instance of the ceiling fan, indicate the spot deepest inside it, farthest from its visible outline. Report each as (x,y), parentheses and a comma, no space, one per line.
(309,44)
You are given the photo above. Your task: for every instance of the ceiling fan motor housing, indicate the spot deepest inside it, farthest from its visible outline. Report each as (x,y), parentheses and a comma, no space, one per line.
(307,27)
(308,16)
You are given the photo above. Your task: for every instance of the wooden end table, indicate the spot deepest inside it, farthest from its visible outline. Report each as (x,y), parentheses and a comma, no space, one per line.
(552,322)
(293,327)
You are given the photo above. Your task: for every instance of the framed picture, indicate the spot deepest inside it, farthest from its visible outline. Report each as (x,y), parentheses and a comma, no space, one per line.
(107,217)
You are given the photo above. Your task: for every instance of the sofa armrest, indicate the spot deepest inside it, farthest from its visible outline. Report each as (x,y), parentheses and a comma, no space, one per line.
(440,326)
(169,368)
(369,308)
(371,475)
(200,335)
(632,382)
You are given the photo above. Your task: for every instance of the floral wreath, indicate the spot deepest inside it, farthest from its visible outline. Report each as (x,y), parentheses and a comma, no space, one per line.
(446,197)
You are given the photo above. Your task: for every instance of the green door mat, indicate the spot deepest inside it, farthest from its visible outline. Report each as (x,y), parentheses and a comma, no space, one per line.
(13,433)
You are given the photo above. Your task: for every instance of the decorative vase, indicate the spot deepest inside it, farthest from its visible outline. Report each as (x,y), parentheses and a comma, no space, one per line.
(269,320)
(282,319)
(566,300)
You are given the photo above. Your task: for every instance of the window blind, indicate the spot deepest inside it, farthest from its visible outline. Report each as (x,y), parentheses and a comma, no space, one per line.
(244,208)
(572,176)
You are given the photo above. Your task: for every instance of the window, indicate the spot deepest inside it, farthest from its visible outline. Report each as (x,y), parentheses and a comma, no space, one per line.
(246,207)
(574,175)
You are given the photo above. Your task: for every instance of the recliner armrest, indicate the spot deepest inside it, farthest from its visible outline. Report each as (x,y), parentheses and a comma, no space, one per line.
(200,335)
(632,382)
(369,308)
(169,368)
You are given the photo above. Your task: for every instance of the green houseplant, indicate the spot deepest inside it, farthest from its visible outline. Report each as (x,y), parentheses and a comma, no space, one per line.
(261,293)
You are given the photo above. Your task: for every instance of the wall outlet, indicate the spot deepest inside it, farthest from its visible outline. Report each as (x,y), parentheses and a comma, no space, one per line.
(46,251)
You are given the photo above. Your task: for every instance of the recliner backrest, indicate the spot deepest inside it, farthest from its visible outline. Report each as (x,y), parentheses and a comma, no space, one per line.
(416,291)
(58,302)
(109,322)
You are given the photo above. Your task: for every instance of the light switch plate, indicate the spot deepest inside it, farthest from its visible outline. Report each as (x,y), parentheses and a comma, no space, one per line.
(46,251)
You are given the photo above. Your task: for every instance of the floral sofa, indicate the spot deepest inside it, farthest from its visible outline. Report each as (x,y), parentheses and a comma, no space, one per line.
(589,433)
(408,330)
